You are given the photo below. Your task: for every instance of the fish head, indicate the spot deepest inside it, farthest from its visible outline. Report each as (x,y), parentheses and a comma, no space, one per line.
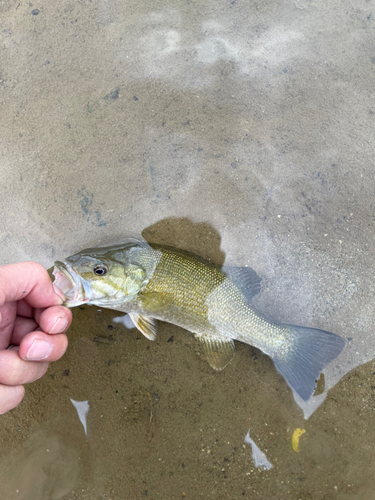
(101,276)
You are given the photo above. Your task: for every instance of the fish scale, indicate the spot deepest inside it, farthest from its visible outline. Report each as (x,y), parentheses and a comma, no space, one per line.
(181,281)
(158,282)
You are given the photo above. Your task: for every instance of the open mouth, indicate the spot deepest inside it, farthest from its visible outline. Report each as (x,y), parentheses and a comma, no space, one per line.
(65,279)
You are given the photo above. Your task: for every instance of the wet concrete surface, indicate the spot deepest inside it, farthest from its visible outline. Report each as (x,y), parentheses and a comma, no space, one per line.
(243,132)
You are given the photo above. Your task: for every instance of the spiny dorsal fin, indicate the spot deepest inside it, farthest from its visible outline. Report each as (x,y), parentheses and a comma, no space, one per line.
(145,325)
(219,351)
(245,278)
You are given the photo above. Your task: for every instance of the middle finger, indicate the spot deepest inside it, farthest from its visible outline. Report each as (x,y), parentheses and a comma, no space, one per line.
(54,319)
(22,326)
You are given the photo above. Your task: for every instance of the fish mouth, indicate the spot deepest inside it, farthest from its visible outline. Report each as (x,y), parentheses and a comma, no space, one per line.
(67,280)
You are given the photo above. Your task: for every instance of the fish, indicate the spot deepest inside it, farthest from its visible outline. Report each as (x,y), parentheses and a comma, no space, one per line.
(153,282)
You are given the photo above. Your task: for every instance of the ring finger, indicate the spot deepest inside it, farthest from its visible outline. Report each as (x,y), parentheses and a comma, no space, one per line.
(15,371)
(10,397)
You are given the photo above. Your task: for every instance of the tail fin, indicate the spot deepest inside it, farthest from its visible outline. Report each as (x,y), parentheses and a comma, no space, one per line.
(312,351)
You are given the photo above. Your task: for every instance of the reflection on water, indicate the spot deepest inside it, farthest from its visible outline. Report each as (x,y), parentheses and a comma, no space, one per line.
(260,459)
(82,408)
(124,320)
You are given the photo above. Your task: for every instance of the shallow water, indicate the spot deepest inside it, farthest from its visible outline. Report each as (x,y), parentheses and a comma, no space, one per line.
(120,415)
(239,131)
(162,424)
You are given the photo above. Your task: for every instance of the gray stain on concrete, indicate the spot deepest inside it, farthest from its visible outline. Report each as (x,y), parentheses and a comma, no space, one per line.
(94,217)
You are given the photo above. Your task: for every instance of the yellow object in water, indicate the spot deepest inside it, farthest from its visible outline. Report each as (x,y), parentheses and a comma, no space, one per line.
(295,438)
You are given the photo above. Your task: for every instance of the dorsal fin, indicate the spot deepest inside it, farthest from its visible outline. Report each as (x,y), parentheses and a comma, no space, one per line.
(245,278)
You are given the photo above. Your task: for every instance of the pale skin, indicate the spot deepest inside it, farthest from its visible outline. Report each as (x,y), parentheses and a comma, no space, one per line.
(32,326)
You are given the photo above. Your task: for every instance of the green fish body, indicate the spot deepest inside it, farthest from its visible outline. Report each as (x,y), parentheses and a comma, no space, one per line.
(154,282)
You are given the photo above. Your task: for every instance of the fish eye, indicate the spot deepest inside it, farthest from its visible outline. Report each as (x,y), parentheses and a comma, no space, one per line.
(100,270)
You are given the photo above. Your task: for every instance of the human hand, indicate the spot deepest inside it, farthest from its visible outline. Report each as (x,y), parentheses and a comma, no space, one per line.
(32,322)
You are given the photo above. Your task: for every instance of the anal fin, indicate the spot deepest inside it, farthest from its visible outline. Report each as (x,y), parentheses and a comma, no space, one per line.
(219,351)
(145,325)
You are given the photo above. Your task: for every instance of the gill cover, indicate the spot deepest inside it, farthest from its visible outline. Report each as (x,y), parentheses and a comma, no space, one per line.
(106,275)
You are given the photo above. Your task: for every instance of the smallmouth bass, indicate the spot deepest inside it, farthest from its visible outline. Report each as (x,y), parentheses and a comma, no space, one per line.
(151,282)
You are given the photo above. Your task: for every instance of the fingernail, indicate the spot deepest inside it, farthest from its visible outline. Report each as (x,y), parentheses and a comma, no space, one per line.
(13,348)
(59,292)
(59,326)
(39,349)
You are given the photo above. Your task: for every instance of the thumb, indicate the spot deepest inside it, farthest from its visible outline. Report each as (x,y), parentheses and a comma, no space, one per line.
(28,281)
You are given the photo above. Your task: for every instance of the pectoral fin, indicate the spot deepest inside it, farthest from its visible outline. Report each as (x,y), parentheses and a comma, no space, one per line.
(145,325)
(219,351)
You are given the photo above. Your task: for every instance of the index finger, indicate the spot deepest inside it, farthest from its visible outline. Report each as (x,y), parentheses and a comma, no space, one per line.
(28,281)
